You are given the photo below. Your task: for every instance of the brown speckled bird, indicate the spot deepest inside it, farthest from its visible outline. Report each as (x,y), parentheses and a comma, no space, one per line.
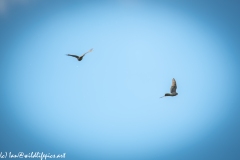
(172,89)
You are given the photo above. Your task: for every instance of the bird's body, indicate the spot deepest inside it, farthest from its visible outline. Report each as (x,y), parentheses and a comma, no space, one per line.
(172,89)
(80,57)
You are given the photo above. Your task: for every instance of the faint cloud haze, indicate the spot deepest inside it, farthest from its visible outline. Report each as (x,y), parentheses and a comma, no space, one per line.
(6,5)
(2,6)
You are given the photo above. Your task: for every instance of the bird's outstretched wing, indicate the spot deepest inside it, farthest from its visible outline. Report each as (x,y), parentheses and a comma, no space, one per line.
(72,55)
(90,50)
(174,86)
(87,52)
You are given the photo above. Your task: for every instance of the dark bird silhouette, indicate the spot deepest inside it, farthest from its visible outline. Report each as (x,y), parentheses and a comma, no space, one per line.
(172,89)
(80,57)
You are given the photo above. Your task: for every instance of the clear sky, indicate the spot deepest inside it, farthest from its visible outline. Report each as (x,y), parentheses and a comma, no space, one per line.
(107,106)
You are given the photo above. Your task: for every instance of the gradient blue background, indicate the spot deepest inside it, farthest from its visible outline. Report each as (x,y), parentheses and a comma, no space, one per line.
(107,106)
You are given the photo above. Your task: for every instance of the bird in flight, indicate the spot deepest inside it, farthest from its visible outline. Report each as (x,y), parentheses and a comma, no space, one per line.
(172,89)
(80,57)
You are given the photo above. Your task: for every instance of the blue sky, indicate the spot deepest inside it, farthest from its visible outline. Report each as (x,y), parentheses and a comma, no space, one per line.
(107,106)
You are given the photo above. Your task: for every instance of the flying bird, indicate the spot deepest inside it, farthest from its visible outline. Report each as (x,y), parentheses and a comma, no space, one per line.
(172,89)
(80,57)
